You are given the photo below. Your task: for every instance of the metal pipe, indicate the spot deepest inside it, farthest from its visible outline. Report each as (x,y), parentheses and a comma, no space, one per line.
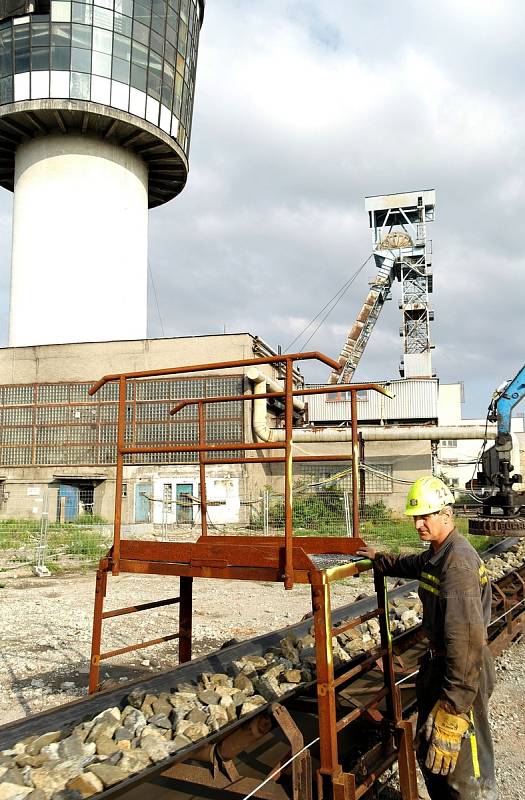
(288,478)
(355,464)
(383,433)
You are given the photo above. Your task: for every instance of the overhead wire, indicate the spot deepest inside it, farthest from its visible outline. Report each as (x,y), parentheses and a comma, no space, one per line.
(156,298)
(328,307)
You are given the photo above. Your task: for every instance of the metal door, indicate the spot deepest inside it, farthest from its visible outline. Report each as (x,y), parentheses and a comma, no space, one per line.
(67,508)
(184,502)
(143,503)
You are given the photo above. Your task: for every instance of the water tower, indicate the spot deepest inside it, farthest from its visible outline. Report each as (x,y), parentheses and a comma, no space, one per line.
(96,102)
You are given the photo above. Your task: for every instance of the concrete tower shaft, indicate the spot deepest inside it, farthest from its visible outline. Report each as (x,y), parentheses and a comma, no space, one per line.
(62,270)
(96,102)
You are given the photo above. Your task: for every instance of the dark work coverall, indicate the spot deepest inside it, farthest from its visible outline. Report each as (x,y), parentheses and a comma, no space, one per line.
(455,592)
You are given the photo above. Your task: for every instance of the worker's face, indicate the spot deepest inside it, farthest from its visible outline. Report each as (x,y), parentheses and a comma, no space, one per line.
(434,528)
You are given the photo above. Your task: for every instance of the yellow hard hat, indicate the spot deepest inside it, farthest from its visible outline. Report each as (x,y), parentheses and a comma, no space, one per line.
(427,495)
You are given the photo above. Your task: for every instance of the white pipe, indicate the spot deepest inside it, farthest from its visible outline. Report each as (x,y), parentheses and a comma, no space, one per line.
(370,433)
(261,384)
(379,433)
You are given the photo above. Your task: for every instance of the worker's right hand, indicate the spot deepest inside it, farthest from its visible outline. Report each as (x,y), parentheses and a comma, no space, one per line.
(444,731)
(367,552)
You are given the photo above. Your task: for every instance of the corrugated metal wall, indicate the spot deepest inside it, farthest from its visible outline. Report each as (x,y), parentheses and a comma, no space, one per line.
(415,399)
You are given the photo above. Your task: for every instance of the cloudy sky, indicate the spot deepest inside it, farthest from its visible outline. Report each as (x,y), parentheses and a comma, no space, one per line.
(304,108)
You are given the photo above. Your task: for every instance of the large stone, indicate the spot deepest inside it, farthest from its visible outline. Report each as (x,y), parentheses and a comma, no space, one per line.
(208,696)
(212,679)
(12,791)
(36,794)
(292,675)
(197,715)
(13,775)
(217,717)
(244,684)
(147,705)
(268,687)
(134,761)
(74,749)
(41,741)
(161,706)
(67,794)
(244,668)
(157,749)
(304,642)
(106,724)
(133,720)
(161,720)
(53,777)
(196,731)
(239,698)
(106,746)
(50,752)
(122,735)
(181,726)
(340,655)
(85,784)
(158,733)
(289,650)
(187,688)
(183,702)
(251,705)
(108,774)
(136,697)
(179,742)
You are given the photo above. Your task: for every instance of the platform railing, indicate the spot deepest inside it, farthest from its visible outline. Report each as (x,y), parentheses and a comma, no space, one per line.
(203,448)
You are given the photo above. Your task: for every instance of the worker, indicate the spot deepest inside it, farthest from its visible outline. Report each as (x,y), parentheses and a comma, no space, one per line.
(456,675)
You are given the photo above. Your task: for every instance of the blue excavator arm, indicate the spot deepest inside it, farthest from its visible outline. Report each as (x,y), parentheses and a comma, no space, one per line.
(509,397)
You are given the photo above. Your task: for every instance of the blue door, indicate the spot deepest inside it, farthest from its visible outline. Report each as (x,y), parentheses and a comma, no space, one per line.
(68,496)
(143,502)
(185,502)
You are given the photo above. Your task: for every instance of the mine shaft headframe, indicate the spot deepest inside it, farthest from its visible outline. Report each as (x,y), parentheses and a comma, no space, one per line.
(497,526)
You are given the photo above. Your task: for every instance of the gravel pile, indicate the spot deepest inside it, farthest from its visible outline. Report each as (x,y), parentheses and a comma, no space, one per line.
(499,565)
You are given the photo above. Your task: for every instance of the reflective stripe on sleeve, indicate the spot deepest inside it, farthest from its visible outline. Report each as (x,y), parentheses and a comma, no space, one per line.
(428,588)
(432,578)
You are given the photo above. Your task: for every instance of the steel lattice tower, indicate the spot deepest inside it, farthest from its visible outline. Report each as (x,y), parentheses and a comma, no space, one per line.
(399,227)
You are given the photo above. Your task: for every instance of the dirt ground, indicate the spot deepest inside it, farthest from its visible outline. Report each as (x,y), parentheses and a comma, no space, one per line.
(45,635)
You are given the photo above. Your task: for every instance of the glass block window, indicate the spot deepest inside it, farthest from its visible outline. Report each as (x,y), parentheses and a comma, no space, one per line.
(48,424)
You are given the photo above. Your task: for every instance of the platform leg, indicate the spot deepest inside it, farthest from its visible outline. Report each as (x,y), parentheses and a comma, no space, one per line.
(328,749)
(96,637)
(406,761)
(185,619)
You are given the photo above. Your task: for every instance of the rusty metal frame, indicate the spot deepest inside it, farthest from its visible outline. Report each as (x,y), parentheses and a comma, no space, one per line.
(261,558)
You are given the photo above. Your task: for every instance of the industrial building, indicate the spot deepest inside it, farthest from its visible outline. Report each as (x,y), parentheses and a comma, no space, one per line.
(58,441)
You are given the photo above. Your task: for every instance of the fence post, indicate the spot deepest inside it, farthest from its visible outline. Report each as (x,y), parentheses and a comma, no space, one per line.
(266,516)
(348,522)
(39,567)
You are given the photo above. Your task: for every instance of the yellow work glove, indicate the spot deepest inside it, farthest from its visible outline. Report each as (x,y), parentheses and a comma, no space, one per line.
(444,731)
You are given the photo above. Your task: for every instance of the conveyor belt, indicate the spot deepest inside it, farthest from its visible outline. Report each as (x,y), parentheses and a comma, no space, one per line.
(301,699)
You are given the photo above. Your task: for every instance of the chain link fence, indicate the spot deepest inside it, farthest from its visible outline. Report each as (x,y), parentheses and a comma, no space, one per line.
(317,511)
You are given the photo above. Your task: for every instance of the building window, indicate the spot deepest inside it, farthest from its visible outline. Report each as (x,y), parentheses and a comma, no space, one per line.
(124,490)
(449,443)
(61,424)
